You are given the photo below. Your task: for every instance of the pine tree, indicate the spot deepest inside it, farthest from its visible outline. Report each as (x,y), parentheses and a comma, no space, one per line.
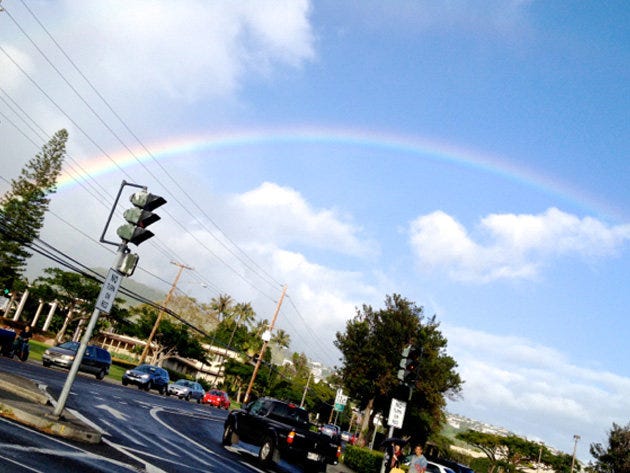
(23,207)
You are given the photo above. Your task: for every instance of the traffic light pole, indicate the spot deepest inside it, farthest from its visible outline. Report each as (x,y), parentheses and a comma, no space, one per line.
(125,264)
(105,301)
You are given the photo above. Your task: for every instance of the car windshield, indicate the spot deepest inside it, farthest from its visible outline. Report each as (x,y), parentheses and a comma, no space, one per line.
(183,382)
(72,346)
(216,393)
(146,368)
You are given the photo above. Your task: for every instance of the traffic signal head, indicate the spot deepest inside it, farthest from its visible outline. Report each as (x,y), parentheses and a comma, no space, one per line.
(140,217)
(409,365)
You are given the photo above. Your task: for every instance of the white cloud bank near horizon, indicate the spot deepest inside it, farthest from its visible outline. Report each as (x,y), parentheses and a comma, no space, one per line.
(517,382)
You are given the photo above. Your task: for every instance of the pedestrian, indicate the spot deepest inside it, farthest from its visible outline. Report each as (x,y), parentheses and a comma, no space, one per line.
(20,346)
(417,461)
(395,454)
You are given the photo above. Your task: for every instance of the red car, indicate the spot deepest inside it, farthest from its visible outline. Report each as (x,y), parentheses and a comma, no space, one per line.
(216,398)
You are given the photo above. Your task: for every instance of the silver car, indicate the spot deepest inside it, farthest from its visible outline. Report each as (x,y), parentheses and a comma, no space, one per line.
(96,360)
(184,389)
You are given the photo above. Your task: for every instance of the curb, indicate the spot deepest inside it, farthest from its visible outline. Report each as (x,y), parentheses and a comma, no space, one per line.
(28,403)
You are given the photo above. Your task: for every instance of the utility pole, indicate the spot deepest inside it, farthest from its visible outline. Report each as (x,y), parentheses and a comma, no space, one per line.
(575,439)
(159,317)
(264,346)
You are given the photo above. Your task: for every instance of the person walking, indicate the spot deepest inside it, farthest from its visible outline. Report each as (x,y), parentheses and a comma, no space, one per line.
(417,461)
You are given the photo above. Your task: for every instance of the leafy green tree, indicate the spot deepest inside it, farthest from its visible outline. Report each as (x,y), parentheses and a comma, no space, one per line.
(512,453)
(76,294)
(173,338)
(371,347)
(23,207)
(615,457)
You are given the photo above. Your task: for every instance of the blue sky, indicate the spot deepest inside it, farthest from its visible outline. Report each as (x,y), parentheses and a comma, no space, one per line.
(471,156)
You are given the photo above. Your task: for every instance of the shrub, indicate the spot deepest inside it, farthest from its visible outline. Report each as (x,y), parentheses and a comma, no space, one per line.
(363,460)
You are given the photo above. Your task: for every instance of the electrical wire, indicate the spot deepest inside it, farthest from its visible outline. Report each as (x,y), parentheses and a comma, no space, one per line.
(234,249)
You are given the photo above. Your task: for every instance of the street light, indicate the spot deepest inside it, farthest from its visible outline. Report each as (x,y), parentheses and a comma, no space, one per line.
(575,438)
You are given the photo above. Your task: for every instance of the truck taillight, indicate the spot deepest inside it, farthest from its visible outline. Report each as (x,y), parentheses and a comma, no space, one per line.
(290,437)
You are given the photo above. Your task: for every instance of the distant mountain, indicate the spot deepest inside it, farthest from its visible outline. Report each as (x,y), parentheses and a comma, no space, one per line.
(142,290)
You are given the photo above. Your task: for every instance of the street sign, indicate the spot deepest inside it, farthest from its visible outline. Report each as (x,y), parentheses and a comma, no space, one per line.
(396,413)
(340,401)
(109,290)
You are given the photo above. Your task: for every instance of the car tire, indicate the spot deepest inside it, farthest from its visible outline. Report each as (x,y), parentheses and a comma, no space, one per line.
(46,364)
(228,435)
(187,398)
(100,374)
(125,382)
(267,450)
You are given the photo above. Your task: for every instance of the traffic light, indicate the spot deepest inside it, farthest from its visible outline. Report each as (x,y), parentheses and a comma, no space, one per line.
(409,365)
(140,217)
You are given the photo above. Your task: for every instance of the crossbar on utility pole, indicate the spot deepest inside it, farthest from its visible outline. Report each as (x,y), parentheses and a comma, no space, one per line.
(264,346)
(161,312)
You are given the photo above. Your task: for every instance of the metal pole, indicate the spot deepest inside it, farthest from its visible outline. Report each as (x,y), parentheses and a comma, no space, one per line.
(78,357)
(385,459)
(74,369)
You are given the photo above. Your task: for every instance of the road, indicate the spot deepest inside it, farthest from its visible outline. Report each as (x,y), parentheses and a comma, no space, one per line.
(142,431)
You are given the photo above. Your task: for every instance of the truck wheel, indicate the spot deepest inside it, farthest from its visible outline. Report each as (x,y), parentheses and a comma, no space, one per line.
(228,433)
(265,454)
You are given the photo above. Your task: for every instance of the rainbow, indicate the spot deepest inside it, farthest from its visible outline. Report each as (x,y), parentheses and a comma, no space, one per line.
(423,147)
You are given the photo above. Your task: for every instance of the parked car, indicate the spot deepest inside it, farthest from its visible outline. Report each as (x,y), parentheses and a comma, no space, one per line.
(332,430)
(217,398)
(184,389)
(348,437)
(456,467)
(147,377)
(437,468)
(96,360)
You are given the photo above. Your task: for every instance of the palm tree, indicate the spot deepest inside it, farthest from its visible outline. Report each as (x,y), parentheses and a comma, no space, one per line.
(282,339)
(222,306)
(244,313)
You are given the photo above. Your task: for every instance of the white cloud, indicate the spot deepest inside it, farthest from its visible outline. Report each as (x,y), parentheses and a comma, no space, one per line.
(282,215)
(510,246)
(190,49)
(518,382)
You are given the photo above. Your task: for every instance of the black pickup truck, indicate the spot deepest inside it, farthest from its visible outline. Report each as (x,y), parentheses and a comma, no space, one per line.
(281,430)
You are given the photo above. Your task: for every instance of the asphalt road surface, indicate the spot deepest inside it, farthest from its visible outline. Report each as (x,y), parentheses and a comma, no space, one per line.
(142,431)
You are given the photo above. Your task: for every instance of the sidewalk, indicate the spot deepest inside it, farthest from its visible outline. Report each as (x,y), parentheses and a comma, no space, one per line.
(28,403)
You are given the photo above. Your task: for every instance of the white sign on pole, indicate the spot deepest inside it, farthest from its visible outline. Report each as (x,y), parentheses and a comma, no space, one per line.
(340,400)
(109,290)
(397,413)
